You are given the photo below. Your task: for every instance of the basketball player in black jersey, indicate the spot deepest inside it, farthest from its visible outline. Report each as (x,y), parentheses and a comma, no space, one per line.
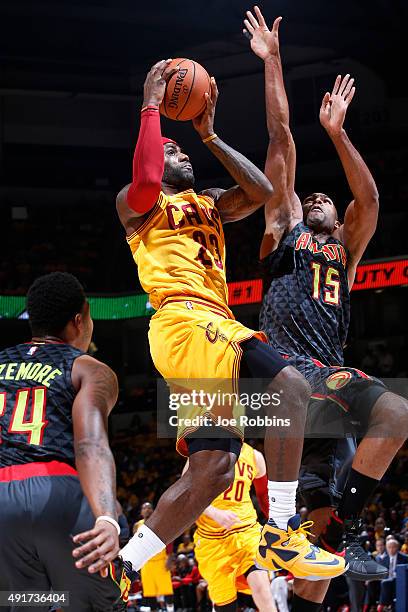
(312,259)
(57,473)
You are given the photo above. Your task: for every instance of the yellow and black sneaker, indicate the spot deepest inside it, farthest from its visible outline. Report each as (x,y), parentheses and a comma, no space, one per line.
(291,550)
(123,575)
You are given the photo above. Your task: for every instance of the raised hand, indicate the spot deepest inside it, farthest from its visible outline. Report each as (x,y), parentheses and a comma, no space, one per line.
(155,83)
(204,123)
(264,42)
(335,104)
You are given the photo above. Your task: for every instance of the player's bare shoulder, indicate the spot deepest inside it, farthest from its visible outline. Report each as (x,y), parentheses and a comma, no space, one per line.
(90,372)
(130,219)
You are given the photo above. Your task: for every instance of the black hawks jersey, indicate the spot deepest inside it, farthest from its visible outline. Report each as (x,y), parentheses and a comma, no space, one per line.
(306,310)
(36,397)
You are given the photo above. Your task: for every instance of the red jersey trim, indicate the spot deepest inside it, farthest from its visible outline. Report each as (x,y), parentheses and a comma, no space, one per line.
(30,470)
(151,214)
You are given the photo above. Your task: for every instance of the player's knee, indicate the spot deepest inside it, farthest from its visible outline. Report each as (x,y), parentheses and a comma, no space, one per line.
(301,389)
(215,471)
(391,414)
(293,388)
(223,473)
(400,415)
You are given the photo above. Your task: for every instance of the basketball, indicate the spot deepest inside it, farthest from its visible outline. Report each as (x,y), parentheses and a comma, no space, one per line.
(184,98)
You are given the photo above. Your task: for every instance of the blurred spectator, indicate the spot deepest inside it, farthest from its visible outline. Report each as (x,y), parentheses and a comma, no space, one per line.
(404,547)
(186,546)
(390,561)
(379,551)
(185,578)
(379,527)
(394,521)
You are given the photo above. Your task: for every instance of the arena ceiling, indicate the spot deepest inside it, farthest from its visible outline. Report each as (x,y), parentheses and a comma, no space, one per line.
(107,45)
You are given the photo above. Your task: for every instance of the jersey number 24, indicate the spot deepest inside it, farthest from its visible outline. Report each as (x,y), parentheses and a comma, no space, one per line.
(34,426)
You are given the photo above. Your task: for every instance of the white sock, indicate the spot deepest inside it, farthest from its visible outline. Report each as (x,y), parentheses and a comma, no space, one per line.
(282,501)
(143,546)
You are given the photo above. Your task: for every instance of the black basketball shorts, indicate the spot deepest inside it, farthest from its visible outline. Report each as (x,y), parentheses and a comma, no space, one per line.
(38,516)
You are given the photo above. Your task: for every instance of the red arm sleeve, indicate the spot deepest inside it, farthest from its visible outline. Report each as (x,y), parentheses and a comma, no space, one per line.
(261,490)
(148,164)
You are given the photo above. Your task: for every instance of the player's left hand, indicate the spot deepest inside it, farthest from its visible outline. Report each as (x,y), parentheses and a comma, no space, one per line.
(204,123)
(97,548)
(335,104)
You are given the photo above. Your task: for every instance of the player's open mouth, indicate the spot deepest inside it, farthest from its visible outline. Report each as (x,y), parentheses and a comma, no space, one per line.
(316,207)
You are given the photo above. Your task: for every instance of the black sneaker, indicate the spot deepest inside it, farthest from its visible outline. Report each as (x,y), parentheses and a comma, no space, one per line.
(361,565)
(123,575)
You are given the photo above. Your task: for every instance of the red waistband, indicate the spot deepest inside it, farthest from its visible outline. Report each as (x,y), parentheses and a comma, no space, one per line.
(29,470)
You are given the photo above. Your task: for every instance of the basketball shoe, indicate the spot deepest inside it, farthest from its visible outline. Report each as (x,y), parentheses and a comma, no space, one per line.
(344,537)
(123,575)
(292,551)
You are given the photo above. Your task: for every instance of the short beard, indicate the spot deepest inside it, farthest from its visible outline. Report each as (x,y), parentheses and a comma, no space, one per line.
(179,178)
(319,227)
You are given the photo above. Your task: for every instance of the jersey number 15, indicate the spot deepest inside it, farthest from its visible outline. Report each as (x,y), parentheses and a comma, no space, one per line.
(331,290)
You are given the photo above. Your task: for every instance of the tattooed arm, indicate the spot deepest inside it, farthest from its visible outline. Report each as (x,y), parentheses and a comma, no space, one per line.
(97,394)
(253,188)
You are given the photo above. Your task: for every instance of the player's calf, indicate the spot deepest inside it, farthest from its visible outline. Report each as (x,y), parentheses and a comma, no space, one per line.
(283,445)
(260,586)
(210,472)
(386,432)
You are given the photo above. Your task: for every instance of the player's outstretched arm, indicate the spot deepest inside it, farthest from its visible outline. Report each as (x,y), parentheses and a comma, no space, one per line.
(361,216)
(97,395)
(136,199)
(283,210)
(252,189)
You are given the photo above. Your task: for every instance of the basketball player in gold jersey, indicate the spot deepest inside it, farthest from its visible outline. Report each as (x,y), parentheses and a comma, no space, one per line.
(227,537)
(177,242)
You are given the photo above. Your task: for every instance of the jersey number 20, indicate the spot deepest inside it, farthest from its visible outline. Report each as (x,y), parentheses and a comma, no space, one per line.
(19,423)
(238,492)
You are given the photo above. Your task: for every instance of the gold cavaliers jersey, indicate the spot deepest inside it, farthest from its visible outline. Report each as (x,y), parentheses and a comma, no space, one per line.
(236,498)
(180,249)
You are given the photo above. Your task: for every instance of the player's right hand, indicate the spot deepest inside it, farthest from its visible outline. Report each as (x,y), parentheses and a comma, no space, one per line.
(335,104)
(155,83)
(97,548)
(226,518)
(264,42)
